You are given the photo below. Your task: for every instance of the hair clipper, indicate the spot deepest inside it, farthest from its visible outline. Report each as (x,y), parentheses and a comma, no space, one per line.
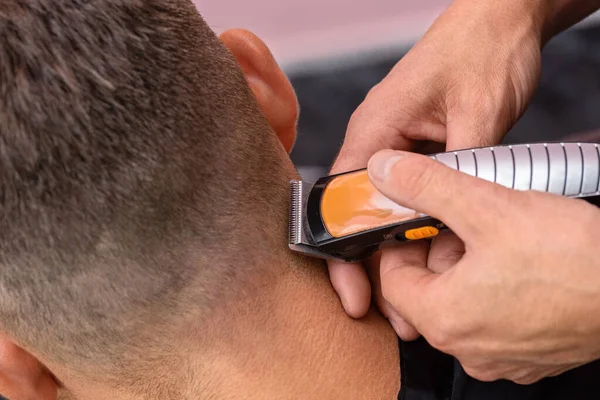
(343,216)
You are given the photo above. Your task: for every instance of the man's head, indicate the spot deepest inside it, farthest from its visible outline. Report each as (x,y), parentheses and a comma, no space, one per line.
(128,136)
(143,189)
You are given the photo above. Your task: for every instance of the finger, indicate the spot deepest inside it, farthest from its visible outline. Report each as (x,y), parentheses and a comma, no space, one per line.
(489,369)
(446,250)
(484,372)
(559,371)
(363,139)
(529,377)
(351,283)
(469,206)
(406,282)
(403,329)
(520,373)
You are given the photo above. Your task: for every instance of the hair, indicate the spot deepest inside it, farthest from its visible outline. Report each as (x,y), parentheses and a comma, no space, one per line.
(128,136)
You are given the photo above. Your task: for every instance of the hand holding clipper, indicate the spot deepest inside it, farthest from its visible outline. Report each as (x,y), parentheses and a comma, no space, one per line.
(521,303)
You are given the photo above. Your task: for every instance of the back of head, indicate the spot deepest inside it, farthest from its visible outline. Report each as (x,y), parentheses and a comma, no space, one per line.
(128,137)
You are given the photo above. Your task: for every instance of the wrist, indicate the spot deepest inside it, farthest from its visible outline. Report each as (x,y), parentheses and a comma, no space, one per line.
(565,13)
(545,18)
(509,18)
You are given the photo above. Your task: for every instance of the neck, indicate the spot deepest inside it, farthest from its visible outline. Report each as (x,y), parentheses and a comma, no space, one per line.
(303,345)
(293,342)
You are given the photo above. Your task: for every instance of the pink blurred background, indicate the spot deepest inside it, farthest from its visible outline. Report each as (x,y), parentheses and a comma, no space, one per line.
(322,31)
(316,33)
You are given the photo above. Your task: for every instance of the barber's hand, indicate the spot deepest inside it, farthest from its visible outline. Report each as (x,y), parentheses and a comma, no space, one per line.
(465,82)
(523,303)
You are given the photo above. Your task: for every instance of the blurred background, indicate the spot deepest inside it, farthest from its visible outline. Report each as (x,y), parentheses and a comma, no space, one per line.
(334,51)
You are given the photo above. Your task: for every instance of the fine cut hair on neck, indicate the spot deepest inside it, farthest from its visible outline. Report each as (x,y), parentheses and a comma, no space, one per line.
(128,137)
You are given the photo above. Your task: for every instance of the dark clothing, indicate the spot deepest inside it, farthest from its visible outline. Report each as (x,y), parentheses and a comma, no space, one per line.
(427,374)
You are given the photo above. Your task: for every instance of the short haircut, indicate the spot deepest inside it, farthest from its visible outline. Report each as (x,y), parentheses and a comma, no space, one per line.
(128,136)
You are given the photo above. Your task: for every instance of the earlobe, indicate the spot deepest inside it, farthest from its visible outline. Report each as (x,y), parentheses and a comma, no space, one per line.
(269,84)
(22,376)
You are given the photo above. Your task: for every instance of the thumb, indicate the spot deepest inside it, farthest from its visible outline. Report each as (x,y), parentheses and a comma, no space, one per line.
(469,206)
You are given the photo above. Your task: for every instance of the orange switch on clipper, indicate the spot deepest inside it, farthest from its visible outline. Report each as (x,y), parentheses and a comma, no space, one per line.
(421,233)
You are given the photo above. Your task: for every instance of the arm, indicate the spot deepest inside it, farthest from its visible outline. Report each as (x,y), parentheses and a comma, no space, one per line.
(565,13)
(465,84)
(551,16)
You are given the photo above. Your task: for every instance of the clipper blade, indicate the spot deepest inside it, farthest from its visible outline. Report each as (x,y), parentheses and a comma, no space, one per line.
(295,227)
(300,239)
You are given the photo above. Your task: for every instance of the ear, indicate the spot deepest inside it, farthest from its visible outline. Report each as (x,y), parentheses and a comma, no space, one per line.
(22,376)
(269,84)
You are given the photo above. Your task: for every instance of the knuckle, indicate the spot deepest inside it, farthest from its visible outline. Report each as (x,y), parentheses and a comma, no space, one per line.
(356,116)
(368,134)
(527,376)
(440,340)
(374,91)
(362,117)
(526,380)
(481,373)
(444,336)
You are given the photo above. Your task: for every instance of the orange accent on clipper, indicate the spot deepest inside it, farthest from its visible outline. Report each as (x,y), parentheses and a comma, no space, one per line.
(422,233)
(351,204)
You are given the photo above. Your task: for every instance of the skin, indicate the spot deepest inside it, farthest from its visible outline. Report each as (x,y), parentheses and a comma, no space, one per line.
(517,304)
(498,309)
(289,340)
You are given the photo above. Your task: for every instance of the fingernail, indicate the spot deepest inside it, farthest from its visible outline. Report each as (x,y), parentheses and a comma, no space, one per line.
(382,163)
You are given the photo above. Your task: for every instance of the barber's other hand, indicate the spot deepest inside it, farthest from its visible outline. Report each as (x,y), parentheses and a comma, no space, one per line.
(465,83)
(523,303)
